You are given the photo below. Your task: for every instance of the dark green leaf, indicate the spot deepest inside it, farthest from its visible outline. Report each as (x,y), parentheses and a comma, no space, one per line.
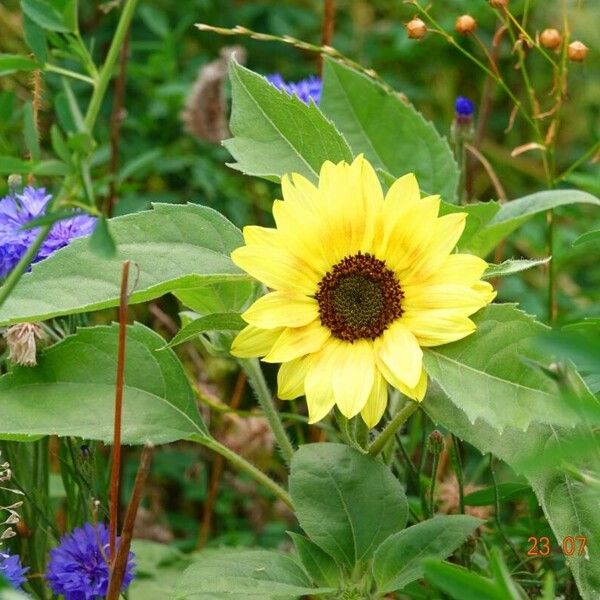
(322,569)
(35,37)
(590,236)
(506,493)
(459,583)
(45,15)
(30,132)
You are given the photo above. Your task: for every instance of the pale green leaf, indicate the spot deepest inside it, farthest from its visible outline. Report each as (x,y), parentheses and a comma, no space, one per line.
(275,134)
(72,390)
(389,131)
(173,247)
(590,236)
(339,494)
(398,561)
(512,266)
(214,322)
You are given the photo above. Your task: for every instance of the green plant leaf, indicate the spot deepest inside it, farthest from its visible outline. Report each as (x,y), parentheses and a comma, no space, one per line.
(460,583)
(275,133)
(590,236)
(11,63)
(30,132)
(214,322)
(398,561)
(101,241)
(486,376)
(506,493)
(387,129)
(504,582)
(35,37)
(512,266)
(321,567)
(224,297)
(236,574)
(45,15)
(72,390)
(173,247)
(340,496)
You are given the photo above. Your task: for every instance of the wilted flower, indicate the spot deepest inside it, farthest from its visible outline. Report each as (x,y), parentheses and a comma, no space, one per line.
(306,89)
(465,24)
(577,51)
(21,343)
(12,570)
(551,38)
(16,210)
(78,567)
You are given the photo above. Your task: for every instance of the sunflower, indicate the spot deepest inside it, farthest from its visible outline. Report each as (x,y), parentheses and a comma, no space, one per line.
(360,283)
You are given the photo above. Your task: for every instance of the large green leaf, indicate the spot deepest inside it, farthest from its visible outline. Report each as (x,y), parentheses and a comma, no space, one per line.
(340,496)
(48,15)
(387,129)
(173,247)
(570,505)
(234,574)
(275,133)
(72,390)
(487,375)
(398,561)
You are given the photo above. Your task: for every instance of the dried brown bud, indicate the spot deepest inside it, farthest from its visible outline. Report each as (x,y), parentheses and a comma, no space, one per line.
(465,24)
(498,3)
(21,343)
(416,29)
(577,51)
(551,38)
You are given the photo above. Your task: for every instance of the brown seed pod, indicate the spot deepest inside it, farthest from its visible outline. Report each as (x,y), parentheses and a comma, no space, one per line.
(416,29)
(499,3)
(551,39)
(577,51)
(465,24)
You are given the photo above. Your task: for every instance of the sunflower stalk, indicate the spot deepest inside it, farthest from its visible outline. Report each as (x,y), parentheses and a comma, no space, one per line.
(390,429)
(257,381)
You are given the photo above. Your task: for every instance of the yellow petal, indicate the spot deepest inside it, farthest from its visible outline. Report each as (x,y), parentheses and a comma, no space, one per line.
(404,191)
(437,327)
(376,403)
(276,268)
(421,298)
(485,290)
(418,392)
(252,341)
(291,376)
(298,341)
(253,234)
(463,269)
(399,356)
(353,373)
(319,384)
(282,309)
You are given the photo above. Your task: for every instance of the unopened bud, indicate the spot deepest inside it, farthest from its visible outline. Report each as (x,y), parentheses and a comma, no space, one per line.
(465,24)
(577,51)
(498,3)
(435,442)
(416,29)
(551,39)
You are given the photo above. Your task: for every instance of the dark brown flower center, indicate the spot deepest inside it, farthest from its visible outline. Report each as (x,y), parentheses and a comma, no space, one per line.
(359,298)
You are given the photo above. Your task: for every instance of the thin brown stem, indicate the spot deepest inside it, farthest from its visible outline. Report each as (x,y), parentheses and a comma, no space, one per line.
(116,459)
(36,101)
(119,566)
(116,120)
(327,29)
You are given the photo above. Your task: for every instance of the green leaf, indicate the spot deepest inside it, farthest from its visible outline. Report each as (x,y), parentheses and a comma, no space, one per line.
(516,212)
(59,145)
(275,133)
(72,390)
(45,15)
(214,322)
(321,567)
(570,505)
(504,583)
(30,132)
(460,583)
(398,561)
(222,297)
(11,63)
(244,574)
(590,236)
(506,493)
(389,131)
(486,376)
(50,168)
(173,247)
(512,266)
(10,165)
(35,37)
(101,241)
(340,496)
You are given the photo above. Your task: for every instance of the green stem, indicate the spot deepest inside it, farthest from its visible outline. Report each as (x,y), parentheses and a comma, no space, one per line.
(390,429)
(243,465)
(434,470)
(458,470)
(589,153)
(67,73)
(265,399)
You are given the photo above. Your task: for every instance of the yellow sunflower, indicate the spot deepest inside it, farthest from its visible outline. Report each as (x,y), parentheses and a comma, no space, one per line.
(360,283)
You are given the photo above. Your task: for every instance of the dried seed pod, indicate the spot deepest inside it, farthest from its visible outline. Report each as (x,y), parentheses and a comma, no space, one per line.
(577,51)
(416,29)
(465,24)
(551,38)
(499,3)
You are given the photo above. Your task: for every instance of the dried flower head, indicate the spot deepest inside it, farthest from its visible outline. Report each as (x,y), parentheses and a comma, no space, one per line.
(551,38)
(21,343)
(416,29)
(577,51)
(465,24)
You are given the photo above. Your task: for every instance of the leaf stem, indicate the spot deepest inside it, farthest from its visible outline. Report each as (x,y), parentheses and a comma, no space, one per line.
(68,73)
(434,471)
(243,465)
(458,470)
(257,381)
(390,429)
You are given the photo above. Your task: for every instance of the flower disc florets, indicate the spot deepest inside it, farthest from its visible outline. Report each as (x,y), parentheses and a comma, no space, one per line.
(359,298)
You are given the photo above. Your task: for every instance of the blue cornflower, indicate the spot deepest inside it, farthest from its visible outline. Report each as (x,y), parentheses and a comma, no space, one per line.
(12,570)
(306,89)
(78,567)
(17,210)
(464,107)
